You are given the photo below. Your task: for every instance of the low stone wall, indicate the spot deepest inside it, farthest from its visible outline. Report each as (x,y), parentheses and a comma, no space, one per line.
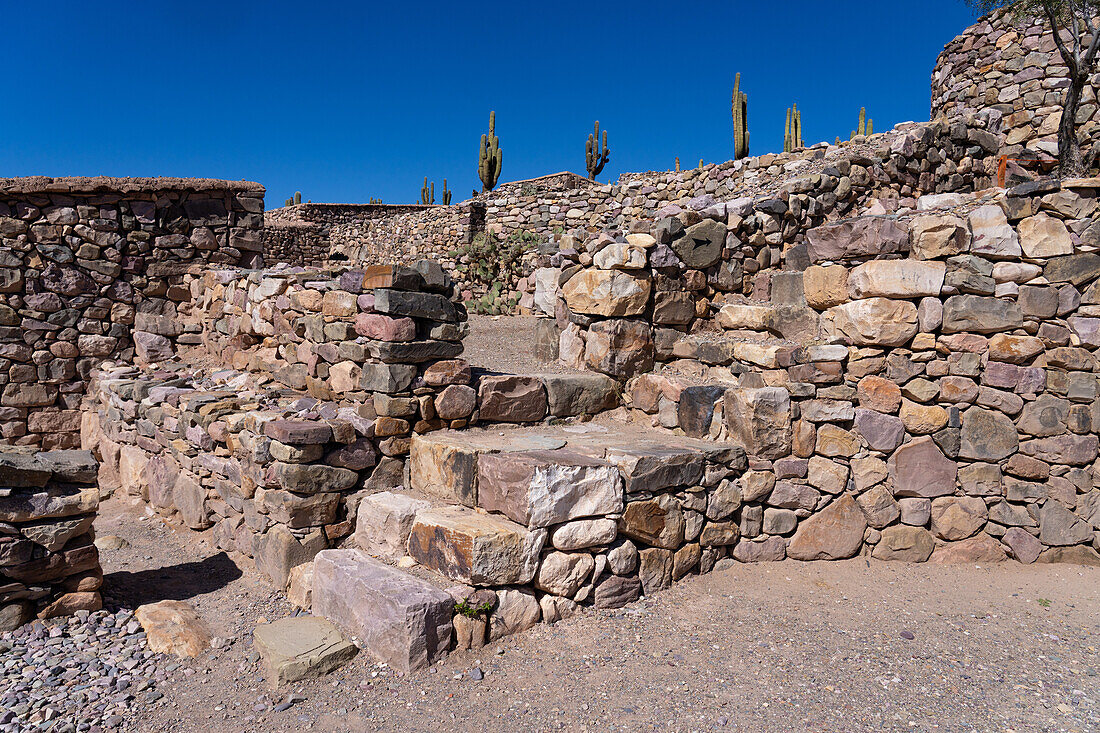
(48,564)
(366,360)
(941,400)
(90,269)
(1013,68)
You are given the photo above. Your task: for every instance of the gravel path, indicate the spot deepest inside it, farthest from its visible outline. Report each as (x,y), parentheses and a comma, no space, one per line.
(771,647)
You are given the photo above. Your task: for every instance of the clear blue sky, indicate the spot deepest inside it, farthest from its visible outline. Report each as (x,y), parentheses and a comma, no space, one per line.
(348,100)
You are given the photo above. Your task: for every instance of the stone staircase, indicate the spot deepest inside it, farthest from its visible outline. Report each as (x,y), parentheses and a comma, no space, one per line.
(501,528)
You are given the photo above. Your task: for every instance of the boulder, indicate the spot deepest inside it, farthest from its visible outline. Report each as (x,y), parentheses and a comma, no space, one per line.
(569,395)
(861,237)
(896,279)
(977,314)
(543,488)
(904,543)
(938,235)
(759,419)
(1044,236)
(992,235)
(620,348)
(834,533)
(957,517)
(981,548)
(920,469)
(511,398)
(476,549)
(173,627)
(987,435)
(384,521)
(701,245)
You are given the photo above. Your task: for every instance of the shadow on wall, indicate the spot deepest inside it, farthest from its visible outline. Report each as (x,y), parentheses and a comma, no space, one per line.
(173,583)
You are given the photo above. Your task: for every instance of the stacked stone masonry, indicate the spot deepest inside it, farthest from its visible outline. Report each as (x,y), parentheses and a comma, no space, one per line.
(91,269)
(925,388)
(48,564)
(1012,67)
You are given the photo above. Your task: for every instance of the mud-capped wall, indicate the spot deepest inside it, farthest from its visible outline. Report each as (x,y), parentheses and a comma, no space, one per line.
(1012,67)
(90,269)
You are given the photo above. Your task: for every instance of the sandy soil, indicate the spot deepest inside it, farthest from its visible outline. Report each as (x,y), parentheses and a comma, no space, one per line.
(771,647)
(506,344)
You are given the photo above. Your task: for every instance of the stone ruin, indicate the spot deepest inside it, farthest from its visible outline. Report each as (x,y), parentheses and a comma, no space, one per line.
(865,349)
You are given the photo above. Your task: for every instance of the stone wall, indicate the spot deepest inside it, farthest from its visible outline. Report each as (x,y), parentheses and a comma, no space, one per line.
(627,298)
(91,269)
(48,564)
(1014,69)
(936,397)
(322,380)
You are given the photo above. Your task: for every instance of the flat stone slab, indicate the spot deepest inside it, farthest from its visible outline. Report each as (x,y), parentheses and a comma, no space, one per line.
(541,488)
(443,464)
(399,619)
(299,647)
(473,548)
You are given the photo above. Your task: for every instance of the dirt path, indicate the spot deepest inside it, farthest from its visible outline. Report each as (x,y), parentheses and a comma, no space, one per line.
(506,344)
(772,647)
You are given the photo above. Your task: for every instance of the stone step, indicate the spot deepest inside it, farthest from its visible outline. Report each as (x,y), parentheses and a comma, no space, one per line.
(398,618)
(544,476)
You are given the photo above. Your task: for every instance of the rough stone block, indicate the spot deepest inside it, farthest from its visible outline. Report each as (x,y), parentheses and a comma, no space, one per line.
(477,549)
(399,619)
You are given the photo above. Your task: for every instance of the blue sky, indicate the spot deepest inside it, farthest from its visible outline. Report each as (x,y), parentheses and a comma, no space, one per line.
(350,100)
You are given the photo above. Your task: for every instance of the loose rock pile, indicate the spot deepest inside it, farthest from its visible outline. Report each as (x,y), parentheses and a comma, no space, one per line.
(84,673)
(48,564)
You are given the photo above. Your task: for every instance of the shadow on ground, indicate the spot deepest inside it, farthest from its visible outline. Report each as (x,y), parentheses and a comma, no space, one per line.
(173,583)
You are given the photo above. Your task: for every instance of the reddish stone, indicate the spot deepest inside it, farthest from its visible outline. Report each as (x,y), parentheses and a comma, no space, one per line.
(455,402)
(448,371)
(510,398)
(385,328)
(298,432)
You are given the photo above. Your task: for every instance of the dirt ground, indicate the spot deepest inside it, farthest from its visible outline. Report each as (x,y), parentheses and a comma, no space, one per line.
(506,344)
(771,647)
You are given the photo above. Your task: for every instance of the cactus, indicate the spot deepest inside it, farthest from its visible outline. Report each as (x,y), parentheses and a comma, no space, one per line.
(677,163)
(427,195)
(375,201)
(792,138)
(446,194)
(490,157)
(866,126)
(739,108)
(289,202)
(297,197)
(594,160)
(700,164)
(837,140)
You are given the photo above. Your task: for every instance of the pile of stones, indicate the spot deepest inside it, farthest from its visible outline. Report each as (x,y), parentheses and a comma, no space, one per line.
(48,564)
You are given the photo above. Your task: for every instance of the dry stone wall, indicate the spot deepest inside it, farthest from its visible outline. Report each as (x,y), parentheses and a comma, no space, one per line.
(1012,68)
(327,378)
(940,399)
(48,563)
(91,269)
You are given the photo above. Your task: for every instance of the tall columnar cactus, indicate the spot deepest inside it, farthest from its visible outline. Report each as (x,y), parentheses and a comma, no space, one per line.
(792,138)
(375,201)
(739,108)
(677,163)
(490,157)
(446,197)
(866,126)
(297,197)
(594,159)
(427,195)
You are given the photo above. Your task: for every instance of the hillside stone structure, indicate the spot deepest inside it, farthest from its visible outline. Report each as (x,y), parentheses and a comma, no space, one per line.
(1012,67)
